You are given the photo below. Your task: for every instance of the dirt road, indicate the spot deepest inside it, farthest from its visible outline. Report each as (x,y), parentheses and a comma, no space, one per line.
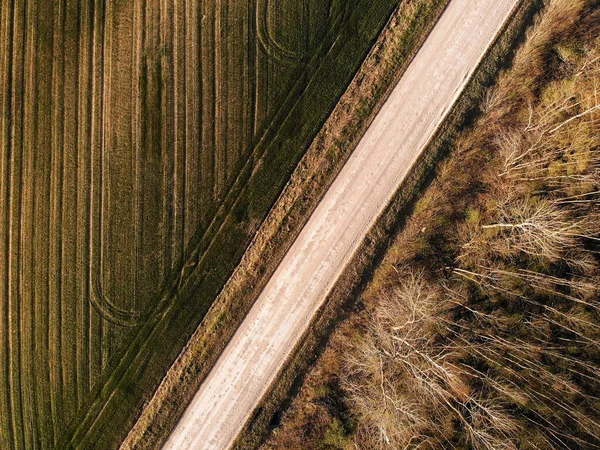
(284,310)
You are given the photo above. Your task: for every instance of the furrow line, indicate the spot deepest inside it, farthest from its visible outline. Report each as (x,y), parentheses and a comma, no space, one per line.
(179,128)
(251,75)
(55,234)
(27,325)
(259,59)
(153,145)
(219,118)
(208,62)
(235,136)
(82,201)
(6,54)
(137,138)
(68,293)
(191,123)
(168,131)
(97,141)
(14,225)
(103,213)
(226,99)
(41,238)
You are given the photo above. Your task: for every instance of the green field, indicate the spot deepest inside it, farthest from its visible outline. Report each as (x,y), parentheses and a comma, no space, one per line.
(142,145)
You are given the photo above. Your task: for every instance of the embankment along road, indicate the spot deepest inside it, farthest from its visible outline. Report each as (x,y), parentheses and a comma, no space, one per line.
(420,102)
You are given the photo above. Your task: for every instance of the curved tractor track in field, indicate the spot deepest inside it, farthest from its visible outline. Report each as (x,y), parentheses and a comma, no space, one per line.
(294,51)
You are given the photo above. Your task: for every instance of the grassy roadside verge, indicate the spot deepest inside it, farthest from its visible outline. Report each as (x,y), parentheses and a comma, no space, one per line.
(321,413)
(390,55)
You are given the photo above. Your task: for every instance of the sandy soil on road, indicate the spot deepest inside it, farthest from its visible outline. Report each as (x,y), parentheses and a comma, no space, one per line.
(284,310)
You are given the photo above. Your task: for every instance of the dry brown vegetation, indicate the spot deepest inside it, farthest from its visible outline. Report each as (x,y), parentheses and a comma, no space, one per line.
(481,328)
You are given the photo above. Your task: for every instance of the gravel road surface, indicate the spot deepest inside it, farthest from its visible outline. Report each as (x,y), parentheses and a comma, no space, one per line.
(374,172)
